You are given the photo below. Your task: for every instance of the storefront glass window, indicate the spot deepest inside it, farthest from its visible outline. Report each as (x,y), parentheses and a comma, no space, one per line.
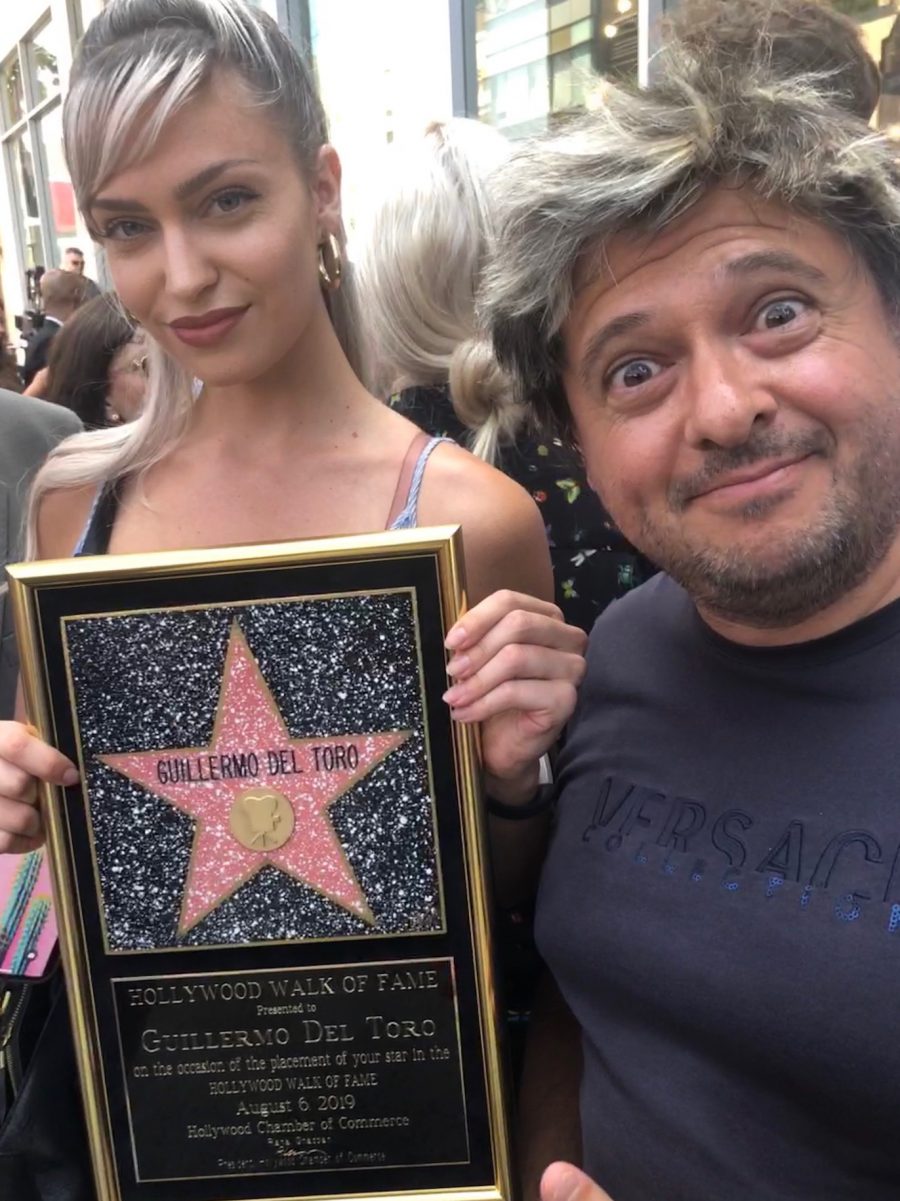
(384,73)
(13,98)
(539,60)
(43,60)
(62,195)
(26,194)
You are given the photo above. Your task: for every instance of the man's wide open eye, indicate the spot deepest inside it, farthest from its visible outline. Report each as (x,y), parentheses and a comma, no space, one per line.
(633,373)
(779,313)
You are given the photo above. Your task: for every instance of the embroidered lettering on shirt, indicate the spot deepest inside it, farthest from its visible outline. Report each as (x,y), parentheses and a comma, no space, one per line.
(684,838)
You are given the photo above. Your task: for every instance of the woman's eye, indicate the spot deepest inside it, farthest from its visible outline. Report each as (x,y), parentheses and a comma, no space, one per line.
(124,230)
(779,313)
(231,201)
(633,374)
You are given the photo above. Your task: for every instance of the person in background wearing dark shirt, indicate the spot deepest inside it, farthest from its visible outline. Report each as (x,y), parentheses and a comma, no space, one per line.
(61,294)
(73,260)
(420,264)
(29,429)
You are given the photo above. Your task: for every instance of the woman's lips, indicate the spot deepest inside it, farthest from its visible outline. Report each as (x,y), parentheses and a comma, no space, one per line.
(207,329)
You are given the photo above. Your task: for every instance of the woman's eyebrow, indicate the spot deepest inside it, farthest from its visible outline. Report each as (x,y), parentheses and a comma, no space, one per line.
(182,192)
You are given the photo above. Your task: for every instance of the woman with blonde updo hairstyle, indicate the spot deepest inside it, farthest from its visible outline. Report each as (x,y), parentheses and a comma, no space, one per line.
(421,259)
(420,262)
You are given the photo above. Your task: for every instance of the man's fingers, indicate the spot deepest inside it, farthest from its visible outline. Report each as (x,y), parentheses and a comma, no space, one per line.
(563,1182)
(21,749)
(516,662)
(522,627)
(475,624)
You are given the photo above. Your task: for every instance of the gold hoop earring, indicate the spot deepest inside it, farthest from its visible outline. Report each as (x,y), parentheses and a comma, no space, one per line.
(330,263)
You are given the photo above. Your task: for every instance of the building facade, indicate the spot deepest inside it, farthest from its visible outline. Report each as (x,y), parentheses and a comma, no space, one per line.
(385,69)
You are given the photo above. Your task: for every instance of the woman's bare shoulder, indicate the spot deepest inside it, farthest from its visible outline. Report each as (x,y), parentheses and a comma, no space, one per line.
(62,515)
(457,481)
(504,536)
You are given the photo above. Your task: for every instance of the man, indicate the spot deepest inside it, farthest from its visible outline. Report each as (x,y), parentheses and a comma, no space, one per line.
(702,282)
(29,429)
(73,260)
(61,294)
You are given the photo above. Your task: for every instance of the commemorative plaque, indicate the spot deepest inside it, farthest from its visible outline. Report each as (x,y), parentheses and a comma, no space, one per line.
(270,880)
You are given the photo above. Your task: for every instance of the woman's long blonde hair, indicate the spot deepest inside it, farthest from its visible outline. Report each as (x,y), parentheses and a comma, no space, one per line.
(153,56)
(420,263)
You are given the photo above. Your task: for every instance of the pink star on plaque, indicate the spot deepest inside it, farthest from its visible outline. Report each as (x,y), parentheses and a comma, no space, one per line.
(259,797)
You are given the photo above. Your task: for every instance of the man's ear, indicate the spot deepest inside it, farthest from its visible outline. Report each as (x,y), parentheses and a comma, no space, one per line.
(326,188)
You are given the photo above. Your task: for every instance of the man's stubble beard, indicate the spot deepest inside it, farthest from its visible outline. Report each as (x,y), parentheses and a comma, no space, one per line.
(817,566)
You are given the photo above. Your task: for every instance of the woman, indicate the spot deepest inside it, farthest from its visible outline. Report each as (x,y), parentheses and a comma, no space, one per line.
(222,230)
(97,365)
(223,234)
(198,154)
(421,264)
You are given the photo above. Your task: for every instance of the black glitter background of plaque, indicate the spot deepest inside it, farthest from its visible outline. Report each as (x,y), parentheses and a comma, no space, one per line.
(335,666)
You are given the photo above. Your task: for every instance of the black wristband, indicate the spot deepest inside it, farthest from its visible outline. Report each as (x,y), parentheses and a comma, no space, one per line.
(543,799)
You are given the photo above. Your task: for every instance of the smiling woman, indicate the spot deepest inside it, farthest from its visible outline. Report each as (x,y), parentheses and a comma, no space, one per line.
(199,157)
(198,154)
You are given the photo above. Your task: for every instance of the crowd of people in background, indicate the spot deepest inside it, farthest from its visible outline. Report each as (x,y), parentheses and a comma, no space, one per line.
(649,363)
(82,350)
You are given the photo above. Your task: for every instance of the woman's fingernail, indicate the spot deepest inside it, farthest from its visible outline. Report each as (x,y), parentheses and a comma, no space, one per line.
(453,695)
(458,665)
(71,777)
(455,638)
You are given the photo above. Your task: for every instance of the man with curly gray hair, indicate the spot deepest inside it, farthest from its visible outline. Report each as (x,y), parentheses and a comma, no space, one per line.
(701,283)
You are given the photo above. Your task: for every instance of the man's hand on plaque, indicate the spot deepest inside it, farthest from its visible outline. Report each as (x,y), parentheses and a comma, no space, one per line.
(563,1182)
(25,759)
(516,667)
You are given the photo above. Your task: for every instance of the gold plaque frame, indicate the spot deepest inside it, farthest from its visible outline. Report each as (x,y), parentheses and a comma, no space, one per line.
(47,598)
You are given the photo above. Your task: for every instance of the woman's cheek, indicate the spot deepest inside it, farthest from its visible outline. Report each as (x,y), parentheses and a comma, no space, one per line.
(131,286)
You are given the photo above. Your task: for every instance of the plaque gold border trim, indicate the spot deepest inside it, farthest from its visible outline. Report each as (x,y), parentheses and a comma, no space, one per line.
(444,544)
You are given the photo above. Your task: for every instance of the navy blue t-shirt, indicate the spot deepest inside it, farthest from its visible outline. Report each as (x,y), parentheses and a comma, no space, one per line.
(721,908)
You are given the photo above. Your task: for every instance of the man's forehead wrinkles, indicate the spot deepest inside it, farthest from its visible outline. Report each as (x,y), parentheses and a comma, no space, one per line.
(773,259)
(613,264)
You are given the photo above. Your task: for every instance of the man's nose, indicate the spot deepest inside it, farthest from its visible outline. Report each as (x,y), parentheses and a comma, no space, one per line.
(725,400)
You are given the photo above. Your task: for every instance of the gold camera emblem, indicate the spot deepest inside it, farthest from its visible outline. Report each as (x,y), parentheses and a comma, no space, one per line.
(261,820)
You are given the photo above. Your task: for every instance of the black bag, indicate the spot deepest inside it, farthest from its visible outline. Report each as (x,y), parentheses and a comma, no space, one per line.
(43,1143)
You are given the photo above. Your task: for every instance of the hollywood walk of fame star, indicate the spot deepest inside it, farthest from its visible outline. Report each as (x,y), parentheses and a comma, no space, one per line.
(275,815)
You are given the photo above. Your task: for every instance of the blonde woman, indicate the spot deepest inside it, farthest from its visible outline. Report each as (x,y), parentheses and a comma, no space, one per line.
(421,261)
(199,157)
(198,153)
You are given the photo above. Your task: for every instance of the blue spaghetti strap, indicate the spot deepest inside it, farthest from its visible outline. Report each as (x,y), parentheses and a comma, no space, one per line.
(79,546)
(95,536)
(408,517)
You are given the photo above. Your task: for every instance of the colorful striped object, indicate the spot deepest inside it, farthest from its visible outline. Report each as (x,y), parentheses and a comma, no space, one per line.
(27,924)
